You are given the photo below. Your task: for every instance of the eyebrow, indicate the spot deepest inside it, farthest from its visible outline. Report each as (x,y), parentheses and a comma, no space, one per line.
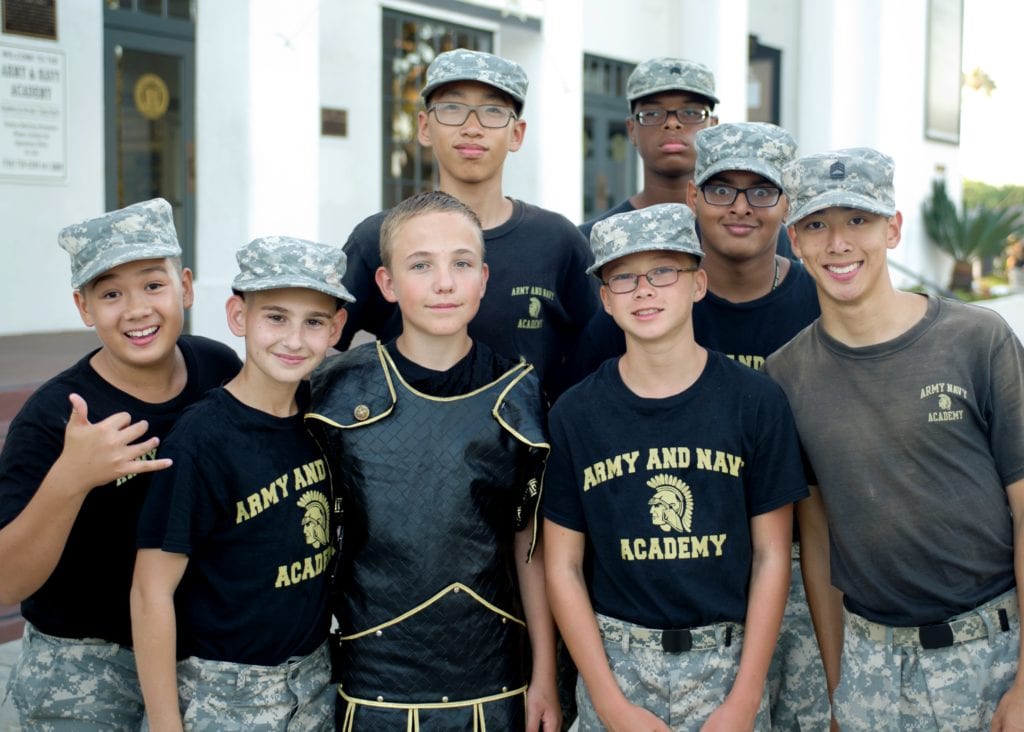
(287,311)
(423,254)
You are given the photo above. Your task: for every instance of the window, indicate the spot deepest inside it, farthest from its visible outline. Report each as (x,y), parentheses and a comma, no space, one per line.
(609,162)
(410,44)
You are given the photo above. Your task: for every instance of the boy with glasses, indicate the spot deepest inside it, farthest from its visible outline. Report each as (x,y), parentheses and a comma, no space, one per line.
(673,469)
(756,301)
(670,100)
(910,409)
(539,299)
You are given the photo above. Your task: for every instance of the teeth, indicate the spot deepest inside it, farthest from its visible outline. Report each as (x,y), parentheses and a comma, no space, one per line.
(843,270)
(646,312)
(142,333)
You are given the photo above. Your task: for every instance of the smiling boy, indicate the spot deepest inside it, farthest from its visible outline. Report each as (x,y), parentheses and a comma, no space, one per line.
(73,477)
(439,444)
(910,408)
(673,469)
(234,541)
(538,299)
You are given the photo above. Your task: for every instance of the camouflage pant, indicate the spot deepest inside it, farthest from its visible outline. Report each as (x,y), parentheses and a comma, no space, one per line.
(890,686)
(683,689)
(71,685)
(296,696)
(796,679)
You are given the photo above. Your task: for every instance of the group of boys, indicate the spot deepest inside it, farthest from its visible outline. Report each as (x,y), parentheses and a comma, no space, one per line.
(397,486)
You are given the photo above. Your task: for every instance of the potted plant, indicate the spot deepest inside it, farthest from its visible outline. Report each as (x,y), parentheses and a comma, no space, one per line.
(967,234)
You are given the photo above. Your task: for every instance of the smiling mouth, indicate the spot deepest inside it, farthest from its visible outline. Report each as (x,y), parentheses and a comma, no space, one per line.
(843,269)
(142,333)
(646,311)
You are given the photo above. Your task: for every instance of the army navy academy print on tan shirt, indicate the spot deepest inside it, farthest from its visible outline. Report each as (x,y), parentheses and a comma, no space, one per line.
(682,477)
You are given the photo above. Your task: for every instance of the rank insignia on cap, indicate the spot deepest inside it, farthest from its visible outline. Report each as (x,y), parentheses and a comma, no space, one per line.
(676,70)
(837,171)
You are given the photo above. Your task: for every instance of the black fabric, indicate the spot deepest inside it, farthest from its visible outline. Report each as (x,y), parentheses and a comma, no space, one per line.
(432,490)
(538,296)
(748,332)
(248,501)
(86,596)
(722,451)
(478,367)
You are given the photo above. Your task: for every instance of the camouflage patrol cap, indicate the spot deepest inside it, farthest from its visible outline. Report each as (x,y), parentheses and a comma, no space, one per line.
(277,262)
(667,227)
(857,177)
(757,147)
(462,64)
(670,74)
(141,231)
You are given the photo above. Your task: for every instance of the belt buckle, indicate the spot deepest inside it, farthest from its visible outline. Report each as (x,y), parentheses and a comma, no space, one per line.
(939,635)
(676,641)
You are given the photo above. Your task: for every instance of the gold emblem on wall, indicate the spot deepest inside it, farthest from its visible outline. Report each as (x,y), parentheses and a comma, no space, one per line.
(151,96)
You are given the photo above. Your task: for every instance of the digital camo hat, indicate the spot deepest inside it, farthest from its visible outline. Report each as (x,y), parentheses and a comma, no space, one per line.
(857,177)
(277,262)
(464,65)
(665,227)
(670,74)
(757,147)
(141,231)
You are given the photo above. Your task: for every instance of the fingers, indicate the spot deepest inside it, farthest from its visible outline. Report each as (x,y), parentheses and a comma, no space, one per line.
(79,409)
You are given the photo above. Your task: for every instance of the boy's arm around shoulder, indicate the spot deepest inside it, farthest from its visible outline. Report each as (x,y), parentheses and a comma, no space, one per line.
(157,575)
(93,454)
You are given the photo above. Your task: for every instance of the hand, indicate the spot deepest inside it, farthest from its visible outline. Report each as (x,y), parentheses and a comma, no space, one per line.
(1009,716)
(729,717)
(542,711)
(632,718)
(96,454)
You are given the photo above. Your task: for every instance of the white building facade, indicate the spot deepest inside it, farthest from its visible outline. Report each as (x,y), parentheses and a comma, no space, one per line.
(258,117)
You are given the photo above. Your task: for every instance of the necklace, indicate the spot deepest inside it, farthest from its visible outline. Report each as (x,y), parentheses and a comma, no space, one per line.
(775,281)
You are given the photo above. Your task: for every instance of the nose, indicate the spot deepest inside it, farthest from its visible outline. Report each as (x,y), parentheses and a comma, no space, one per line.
(293,337)
(139,305)
(644,288)
(472,123)
(672,120)
(741,205)
(443,280)
(837,242)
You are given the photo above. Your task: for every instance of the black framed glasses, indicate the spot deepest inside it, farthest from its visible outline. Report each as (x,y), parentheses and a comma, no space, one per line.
(455,114)
(686,116)
(719,194)
(622,284)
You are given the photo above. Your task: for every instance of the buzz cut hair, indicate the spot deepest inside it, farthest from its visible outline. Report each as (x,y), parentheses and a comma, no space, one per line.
(422,204)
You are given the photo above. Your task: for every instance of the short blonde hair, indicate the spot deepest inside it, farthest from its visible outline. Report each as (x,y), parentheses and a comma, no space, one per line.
(420,205)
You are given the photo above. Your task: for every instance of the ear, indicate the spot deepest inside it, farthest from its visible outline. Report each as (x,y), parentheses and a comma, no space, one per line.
(235,309)
(423,128)
(691,195)
(83,308)
(895,230)
(700,285)
(518,134)
(791,230)
(712,120)
(188,294)
(386,283)
(631,129)
(485,273)
(337,324)
(606,299)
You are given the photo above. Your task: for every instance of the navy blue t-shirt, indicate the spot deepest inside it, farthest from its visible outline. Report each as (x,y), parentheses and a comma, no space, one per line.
(665,489)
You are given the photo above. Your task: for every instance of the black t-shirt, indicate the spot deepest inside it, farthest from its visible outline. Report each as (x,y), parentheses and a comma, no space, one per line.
(248,501)
(86,596)
(749,332)
(538,296)
(665,489)
(478,367)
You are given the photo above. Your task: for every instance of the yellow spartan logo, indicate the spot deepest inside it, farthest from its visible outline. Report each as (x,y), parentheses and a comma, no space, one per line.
(944,401)
(672,504)
(535,307)
(314,521)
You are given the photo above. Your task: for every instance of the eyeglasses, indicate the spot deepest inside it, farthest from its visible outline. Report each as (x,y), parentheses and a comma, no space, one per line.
(627,282)
(686,116)
(718,194)
(455,114)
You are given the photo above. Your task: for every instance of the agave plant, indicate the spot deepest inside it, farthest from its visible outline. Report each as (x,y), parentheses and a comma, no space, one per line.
(967,234)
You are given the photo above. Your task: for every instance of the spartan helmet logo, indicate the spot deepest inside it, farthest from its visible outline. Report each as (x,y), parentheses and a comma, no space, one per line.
(672,504)
(314,522)
(944,401)
(534,307)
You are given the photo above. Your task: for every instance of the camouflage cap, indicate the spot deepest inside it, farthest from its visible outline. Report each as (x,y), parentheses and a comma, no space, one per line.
(665,227)
(670,74)
(857,177)
(141,231)
(757,147)
(277,262)
(464,65)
